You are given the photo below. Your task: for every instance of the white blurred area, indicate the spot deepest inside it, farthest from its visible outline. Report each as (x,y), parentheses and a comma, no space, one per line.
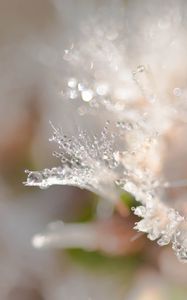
(33,36)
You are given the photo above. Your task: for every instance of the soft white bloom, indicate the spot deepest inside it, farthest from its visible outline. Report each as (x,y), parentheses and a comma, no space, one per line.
(130,69)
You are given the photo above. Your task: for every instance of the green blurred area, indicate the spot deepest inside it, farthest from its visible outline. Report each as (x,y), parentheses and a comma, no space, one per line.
(128,200)
(96,260)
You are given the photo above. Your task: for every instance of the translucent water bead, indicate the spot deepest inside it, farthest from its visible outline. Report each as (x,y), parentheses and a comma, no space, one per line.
(72,83)
(125,125)
(45,178)
(177,92)
(102,89)
(36,179)
(140,68)
(179,244)
(87,95)
(142,78)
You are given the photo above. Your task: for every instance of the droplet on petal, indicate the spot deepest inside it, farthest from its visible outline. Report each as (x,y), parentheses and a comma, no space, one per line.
(87,95)
(72,83)
(34,177)
(177,92)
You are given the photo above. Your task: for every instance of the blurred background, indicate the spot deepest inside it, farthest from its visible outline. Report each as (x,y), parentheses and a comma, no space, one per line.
(32,34)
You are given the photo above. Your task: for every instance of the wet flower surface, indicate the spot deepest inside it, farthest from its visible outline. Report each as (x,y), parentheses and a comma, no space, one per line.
(129,80)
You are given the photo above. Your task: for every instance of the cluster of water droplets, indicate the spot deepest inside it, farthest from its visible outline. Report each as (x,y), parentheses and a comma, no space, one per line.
(87,161)
(101,79)
(94,162)
(165,225)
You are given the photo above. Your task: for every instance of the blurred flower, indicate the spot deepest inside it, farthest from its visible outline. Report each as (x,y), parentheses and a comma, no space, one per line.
(124,69)
(114,237)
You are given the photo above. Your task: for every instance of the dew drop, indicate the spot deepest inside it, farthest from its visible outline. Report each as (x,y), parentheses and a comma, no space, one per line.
(67,55)
(81,86)
(140,68)
(140,211)
(72,83)
(102,89)
(177,92)
(130,187)
(34,177)
(73,94)
(164,240)
(87,95)
(44,186)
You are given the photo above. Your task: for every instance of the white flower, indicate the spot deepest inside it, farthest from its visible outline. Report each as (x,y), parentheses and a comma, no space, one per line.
(131,69)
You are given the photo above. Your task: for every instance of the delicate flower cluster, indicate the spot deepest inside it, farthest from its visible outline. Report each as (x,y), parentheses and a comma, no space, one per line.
(164,224)
(144,105)
(87,162)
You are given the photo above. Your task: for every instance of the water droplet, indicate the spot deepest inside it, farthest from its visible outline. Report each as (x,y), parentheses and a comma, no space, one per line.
(177,92)
(153,235)
(140,211)
(124,125)
(140,68)
(81,87)
(72,83)
(44,186)
(67,55)
(102,89)
(164,240)
(34,177)
(130,187)
(73,94)
(38,241)
(87,95)
(118,181)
